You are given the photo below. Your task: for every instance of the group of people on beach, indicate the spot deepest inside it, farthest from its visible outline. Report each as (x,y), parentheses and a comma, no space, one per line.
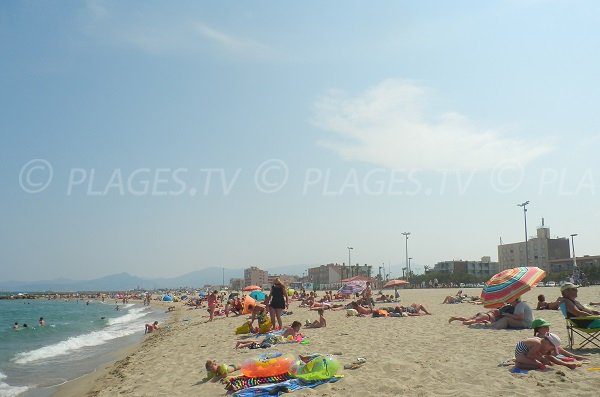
(544,347)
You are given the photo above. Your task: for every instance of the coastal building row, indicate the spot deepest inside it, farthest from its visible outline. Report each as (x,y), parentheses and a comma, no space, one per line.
(484,268)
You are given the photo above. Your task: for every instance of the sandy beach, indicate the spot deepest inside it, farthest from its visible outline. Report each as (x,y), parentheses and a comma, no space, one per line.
(418,356)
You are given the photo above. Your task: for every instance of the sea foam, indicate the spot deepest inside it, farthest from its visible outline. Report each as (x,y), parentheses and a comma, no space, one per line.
(116,328)
(7,390)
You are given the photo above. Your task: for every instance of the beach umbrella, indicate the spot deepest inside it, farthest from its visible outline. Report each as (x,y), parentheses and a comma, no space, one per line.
(395,283)
(353,287)
(167,298)
(257,295)
(510,284)
(252,288)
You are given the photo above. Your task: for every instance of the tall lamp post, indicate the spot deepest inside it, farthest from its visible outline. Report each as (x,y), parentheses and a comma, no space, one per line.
(524,205)
(406,234)
(573,245)
(409,259)
(349,262)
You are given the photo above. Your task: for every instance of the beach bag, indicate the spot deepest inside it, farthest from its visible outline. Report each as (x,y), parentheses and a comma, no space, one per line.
(351,312)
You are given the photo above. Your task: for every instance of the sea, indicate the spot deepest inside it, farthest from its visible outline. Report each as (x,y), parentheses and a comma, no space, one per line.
(79,336)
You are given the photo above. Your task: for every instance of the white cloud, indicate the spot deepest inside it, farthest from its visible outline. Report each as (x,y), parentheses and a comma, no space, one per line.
(389,125)
(157,32)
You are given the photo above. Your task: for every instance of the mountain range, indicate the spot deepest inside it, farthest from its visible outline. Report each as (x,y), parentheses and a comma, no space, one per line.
(126,281)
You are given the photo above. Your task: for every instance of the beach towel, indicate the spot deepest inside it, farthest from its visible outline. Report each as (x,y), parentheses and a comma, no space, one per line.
(243,382)
(277,389)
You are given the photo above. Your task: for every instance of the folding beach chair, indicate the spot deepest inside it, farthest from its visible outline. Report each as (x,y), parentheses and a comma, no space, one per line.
(589,335)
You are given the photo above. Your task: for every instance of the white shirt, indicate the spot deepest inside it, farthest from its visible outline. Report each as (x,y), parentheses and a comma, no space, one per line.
(524,309)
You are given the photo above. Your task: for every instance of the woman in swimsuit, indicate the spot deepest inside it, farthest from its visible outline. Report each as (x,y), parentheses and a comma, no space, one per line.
(479,318)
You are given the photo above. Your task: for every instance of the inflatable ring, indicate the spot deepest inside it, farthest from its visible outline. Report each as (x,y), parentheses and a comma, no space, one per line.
(318,368)
(267,364)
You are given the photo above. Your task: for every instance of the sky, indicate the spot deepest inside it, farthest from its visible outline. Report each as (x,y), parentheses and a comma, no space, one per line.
(159,138)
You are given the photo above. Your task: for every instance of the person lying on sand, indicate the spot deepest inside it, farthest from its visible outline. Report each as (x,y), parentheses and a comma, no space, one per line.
(532,353)
(415,309)
(325,306)
(480,318)
(271,339)
(320,323)
(360,309)
(216,370)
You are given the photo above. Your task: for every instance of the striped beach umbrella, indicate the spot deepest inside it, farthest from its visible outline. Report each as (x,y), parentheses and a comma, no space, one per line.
(353,287)
(510,284)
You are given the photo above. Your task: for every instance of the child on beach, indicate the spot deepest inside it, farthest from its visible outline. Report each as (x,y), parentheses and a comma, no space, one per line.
(216,370)
(541,328)
(320,323)
(532,353)
(543,305)
(151,327)
(272,339)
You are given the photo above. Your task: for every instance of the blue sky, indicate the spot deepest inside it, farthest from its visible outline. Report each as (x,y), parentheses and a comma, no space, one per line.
(194,134)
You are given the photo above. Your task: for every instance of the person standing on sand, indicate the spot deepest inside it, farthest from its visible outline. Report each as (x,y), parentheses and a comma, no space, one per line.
(212,304)
(278,302)
(367,295)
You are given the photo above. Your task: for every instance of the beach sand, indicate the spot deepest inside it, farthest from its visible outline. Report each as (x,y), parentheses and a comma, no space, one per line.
(416,356)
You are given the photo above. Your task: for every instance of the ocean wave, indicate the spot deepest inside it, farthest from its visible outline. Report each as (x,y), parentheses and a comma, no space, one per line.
(117,328)
(7,390)
(131,315)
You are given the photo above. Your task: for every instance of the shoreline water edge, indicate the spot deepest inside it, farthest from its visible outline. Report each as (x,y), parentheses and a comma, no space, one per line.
(76,338)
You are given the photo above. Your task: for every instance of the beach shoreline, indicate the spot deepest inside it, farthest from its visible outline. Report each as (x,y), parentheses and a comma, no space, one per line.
(83,385)
(412,355)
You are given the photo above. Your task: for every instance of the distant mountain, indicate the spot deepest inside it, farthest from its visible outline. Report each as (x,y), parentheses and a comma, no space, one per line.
(125,281)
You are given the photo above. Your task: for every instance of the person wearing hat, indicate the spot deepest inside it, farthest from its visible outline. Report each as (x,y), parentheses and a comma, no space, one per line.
(576,309)
(541,328)
(534,353)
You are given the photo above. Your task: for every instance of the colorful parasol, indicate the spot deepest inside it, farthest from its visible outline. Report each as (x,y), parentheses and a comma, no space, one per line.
(510,284)
(353,287)
(395,283)
(252,288)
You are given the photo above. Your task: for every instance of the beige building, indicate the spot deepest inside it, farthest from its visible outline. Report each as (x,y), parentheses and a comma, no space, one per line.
(330,275)
(325,274)
(236,284)
(566,265)
(484,268)
(285,278)
(255,276)
(542,249)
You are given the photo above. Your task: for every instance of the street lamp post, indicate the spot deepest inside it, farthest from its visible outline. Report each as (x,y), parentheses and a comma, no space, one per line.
(349,262)
(573,245)
(406,234)
(524,205)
